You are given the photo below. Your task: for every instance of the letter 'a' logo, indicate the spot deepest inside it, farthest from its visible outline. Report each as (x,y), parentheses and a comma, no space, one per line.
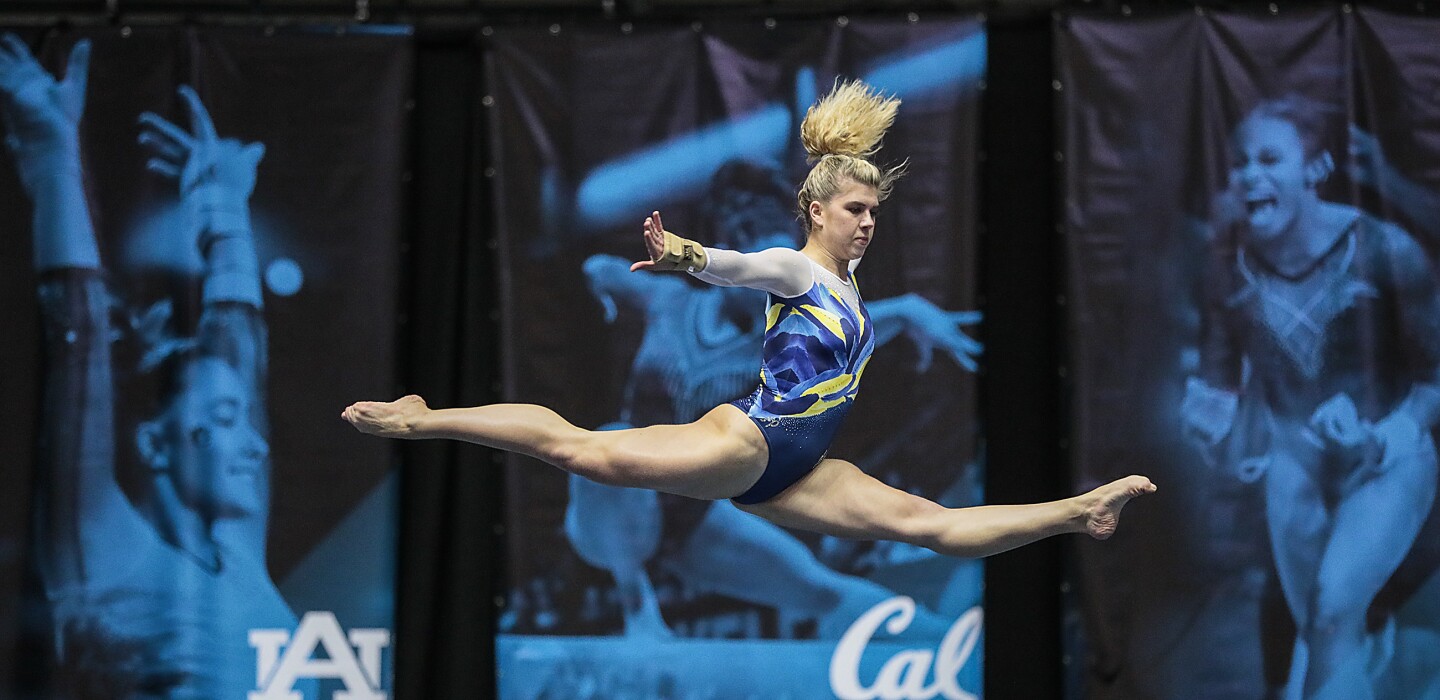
(354,659)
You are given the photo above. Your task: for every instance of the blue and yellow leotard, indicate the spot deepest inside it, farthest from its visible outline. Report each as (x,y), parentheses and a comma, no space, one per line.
(816,347)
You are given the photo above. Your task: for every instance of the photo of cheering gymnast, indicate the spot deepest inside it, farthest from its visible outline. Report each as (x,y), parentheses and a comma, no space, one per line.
(767,452)
(1319,380)
(152,593)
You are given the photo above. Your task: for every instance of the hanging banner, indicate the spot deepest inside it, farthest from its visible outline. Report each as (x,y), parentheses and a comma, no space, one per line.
(1251,215)
(202,230)
(626,592)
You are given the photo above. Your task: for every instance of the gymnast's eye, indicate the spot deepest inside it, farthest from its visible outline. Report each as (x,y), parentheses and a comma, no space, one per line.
(225,412)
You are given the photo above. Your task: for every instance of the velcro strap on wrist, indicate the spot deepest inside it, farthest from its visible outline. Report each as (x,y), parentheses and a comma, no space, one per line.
(681,254)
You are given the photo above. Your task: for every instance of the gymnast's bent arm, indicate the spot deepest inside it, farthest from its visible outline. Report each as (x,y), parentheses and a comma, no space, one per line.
(1370,167)
(1417,296)
(1212,395)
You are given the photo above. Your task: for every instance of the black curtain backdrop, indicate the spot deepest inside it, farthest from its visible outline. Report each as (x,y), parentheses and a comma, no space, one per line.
(450,553)
(1021,385)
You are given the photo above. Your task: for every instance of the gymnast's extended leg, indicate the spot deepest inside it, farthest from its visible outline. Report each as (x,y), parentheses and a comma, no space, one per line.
(717,456)
(841,500)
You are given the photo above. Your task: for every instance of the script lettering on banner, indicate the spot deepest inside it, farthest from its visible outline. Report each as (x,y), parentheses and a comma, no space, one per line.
(354,659)
(906,675)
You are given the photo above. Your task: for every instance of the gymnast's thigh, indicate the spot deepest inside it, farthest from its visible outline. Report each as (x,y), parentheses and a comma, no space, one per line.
(718,456)
(837,498)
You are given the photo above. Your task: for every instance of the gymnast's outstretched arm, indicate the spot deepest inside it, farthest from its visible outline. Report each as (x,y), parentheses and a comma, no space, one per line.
(928,326)
(784,272)
(42,132)
(85,523)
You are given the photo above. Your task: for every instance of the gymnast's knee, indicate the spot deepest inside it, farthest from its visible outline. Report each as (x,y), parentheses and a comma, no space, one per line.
(1334,616)
(919,522)
(588,458)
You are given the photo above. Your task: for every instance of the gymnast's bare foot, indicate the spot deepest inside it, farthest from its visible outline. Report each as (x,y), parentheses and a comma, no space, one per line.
(395,419)
(1100,507)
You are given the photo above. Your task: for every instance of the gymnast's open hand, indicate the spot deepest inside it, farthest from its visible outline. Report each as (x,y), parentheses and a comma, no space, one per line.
(1368,164)
(41,115)
(1338,427)
(39,110)
(931,327)
(395,419)
(654,242)
(207,167)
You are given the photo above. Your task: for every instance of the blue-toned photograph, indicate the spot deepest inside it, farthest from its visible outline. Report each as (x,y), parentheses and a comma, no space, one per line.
(1257,247)
(174,283)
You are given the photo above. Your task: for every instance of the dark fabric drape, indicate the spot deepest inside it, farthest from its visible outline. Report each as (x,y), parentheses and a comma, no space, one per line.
(1021,394)
(449,555)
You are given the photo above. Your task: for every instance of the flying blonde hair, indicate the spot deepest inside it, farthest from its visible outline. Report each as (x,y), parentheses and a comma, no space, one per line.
(840,133)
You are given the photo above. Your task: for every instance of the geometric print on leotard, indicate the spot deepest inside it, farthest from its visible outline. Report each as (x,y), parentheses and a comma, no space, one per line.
(816,348)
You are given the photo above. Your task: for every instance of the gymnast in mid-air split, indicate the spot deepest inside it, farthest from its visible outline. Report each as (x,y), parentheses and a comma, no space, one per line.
(767,451)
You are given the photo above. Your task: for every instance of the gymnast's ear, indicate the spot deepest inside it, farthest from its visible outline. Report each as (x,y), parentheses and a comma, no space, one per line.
(150,441)
(816,211)
(1319,168)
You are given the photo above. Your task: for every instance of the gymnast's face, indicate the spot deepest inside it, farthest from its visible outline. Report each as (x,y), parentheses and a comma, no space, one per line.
(1270,175)
(845,224)
(206,444)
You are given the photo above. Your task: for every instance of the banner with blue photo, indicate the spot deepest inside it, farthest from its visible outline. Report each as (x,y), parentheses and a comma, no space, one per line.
(201,228)
(1253,219)
(626,593)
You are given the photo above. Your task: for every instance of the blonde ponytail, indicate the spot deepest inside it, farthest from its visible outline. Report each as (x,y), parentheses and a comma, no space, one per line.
(850,121)
(840,133)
